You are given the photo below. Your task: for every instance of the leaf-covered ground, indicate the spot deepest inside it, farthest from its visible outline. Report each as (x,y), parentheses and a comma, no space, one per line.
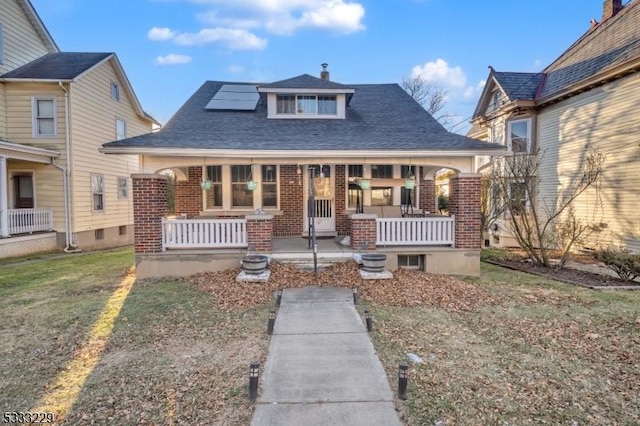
(407,288)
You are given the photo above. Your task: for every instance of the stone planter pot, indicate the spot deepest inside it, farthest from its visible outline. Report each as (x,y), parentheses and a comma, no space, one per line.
(374,262)
(254,264)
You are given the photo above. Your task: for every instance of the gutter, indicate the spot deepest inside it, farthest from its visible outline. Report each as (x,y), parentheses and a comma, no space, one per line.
(70,247)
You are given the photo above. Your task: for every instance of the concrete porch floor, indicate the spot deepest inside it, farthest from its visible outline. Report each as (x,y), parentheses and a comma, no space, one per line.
(298,247)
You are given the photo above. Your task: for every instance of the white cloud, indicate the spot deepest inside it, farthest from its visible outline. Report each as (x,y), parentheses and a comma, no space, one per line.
(234,39)
(161,34)
(285,16)
(473,92)
(439,71)
(172,59)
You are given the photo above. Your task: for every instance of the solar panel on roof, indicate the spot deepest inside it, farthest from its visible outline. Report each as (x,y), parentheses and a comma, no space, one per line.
(235,97)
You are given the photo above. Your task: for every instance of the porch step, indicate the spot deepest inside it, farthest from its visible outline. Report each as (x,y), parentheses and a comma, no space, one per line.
(305,260)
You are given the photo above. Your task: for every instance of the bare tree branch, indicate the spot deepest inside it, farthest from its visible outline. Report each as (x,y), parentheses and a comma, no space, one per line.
(428,94)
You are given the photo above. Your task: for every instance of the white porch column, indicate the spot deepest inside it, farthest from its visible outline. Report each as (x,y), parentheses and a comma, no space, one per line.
(4,199)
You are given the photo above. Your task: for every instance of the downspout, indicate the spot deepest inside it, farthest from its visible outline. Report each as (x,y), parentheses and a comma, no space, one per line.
(70,246)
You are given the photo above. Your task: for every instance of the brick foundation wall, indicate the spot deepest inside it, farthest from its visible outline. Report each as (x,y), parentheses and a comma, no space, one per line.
(363,232)
(464,203)
(188,194)
(149,207)
(260,233)
(342,219)
(291,222)
(427,200)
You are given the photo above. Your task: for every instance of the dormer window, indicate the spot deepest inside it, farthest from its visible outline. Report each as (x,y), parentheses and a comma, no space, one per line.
(306,105)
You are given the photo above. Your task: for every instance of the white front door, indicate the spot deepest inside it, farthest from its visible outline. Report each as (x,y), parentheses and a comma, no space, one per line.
(324,200)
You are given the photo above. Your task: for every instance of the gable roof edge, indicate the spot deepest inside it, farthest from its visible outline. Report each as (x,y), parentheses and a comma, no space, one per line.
(38,25)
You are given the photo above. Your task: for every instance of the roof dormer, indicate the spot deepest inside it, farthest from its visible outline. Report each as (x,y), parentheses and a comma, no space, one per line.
(305,96)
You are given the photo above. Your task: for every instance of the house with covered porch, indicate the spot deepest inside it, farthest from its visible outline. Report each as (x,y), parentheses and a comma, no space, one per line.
(247,157)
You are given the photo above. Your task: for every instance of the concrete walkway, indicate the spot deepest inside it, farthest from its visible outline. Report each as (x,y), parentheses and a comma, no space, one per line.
(322,368)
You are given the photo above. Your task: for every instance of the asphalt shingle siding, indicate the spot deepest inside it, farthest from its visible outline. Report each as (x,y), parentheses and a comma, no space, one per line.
(57,66)
(381,116)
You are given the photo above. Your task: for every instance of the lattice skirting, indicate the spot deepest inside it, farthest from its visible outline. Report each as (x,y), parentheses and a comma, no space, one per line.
(28,244)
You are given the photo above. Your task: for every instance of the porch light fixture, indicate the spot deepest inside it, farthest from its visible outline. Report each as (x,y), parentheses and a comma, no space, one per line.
(251,184)
(410,180)
(206,183)
(364,183)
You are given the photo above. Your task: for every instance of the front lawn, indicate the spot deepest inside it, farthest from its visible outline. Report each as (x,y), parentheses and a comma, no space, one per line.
(542,353)
(82,339)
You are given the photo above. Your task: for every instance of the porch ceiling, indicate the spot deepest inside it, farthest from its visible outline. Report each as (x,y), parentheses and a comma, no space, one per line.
(16,151)
(462,162)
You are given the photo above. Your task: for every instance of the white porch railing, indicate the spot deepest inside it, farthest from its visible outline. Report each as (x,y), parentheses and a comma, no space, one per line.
(203,233)
(25,221)
(401,231)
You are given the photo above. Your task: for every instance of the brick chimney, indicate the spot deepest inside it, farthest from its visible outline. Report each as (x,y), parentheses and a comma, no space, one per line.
(610,8)
(324,74)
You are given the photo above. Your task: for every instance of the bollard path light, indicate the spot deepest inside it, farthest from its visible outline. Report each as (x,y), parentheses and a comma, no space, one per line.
(355,296)
(369,321)
(254,371)
(279,298)
(271,323)
(402,381)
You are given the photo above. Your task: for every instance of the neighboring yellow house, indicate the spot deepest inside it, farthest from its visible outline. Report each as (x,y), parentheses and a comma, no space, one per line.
(587,98)
(56,110)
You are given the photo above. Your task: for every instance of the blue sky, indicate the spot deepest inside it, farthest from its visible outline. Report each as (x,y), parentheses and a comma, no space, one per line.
(170,47)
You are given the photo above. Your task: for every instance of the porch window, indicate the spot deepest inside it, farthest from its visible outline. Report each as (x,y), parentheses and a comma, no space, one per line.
(240,195)
(270,186)
(97,192)
(382,196)
(520,136)
(214,195)
(382,171)
(123,187)
(44,117)
(354,193)
(407,171)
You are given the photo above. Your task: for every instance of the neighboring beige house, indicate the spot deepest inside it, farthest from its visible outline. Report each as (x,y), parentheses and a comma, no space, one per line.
(56,110)
(587,98)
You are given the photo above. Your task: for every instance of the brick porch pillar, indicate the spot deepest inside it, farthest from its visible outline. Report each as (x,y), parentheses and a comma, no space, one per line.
(464,203)
(188,194)
(260,232)
(342,219)
(363,231)
(149,207)
(427,195)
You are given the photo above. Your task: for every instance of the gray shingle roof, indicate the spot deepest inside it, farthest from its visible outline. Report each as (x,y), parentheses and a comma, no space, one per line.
(380,117)
(519,85)
(57,66)
(611,43)
(306,81)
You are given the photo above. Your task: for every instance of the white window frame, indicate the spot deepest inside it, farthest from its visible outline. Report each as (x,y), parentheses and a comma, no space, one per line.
(123,188)
(114,88)
(124,126)
(352,179)
(94,183)
(227,188)
(35,117)
(261,186)
(510,140)
(296,100)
